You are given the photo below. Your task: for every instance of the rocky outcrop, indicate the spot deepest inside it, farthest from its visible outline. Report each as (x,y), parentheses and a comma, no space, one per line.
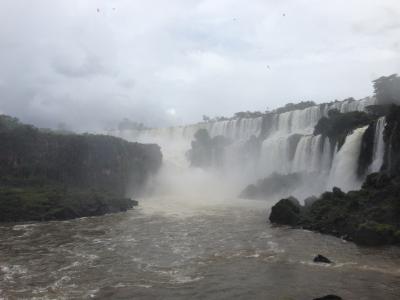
(286,212)
(77,175)
(43,203)
(370,216)
(391,163)
(273,185)
(338,125)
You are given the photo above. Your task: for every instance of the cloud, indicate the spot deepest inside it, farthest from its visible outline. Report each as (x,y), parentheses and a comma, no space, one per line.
(63,61)
(91,65)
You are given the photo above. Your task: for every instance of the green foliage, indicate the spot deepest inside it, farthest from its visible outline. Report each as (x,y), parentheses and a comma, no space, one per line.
(294,106)
(247,115)
(370,216)
(38,203)
(36,168)
(338,125)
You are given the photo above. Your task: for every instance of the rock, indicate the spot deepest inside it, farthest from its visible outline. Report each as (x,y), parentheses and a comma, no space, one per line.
(376,181)
(329,297)
(321,259)
(285,212)
(274,184)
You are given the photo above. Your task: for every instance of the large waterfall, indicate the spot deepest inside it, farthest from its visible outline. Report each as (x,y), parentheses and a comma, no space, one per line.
(287,145)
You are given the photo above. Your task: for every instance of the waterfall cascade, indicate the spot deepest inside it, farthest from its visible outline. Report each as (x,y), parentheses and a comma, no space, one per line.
(343,172)
(287,146)
(379,146)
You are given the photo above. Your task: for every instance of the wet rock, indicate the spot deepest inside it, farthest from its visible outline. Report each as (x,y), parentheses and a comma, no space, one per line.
(321,259)
(286,212)
(273,185)
(329,297)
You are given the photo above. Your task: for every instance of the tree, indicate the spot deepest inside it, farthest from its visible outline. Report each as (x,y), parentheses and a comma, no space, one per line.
(206,118)
(387,89)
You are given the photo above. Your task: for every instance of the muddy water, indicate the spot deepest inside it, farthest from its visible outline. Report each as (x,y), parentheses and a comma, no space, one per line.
(177,249)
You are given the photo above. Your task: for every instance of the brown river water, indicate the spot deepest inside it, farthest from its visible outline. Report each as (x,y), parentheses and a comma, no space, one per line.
(176,249)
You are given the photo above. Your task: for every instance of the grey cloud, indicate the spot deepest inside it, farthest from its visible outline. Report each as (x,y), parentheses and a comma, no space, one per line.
(90,66)
(62,62)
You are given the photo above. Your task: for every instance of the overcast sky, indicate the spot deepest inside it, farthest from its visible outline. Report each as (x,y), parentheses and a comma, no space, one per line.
(89,64)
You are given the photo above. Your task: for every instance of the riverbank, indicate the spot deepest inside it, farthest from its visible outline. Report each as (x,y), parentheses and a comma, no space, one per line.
(370,216)
(47,175)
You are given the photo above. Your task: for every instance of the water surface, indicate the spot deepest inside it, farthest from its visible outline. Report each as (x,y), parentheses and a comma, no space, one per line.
(179,249)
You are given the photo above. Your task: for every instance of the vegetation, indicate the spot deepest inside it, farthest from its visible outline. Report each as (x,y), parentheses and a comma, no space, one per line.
(370,216)
(336,126)
(56,202)
(41,170)
(387,89)
(207,151)
(294,106)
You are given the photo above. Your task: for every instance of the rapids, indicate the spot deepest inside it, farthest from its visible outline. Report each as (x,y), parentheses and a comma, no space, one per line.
(187,248)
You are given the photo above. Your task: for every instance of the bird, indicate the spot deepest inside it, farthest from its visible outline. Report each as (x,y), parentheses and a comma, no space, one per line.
(98,10)
(284,15)
(268,67)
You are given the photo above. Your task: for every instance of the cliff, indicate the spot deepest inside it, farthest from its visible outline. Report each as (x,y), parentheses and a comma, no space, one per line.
(47,175)
(369,216)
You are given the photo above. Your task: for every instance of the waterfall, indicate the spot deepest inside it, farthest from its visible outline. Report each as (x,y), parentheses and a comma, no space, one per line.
(343,173)
(351,105)
(379,146)
(287,145)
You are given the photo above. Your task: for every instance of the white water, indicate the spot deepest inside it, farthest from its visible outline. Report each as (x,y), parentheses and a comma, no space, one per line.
(344,167)
(289,146)
(379,146)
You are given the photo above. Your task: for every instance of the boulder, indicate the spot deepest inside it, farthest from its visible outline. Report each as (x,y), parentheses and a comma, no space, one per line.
(329,297)
(321,259)
(285,212)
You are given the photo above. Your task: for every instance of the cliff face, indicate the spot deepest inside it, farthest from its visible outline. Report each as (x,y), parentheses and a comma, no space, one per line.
(370,216)
(33,159)
(391,161)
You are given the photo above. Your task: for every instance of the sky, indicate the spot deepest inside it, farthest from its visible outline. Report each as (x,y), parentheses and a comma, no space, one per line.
(87,64)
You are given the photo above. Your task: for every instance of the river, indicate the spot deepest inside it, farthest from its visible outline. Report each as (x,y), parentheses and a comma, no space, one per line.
(172,248)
